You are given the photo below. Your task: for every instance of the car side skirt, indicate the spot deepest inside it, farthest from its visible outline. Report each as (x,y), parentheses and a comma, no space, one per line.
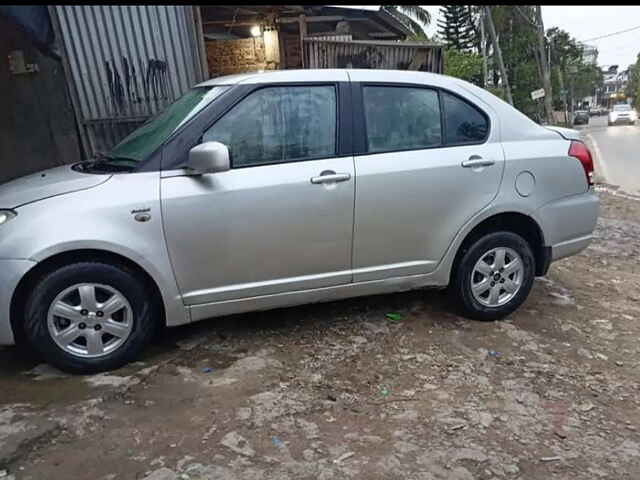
(316,295)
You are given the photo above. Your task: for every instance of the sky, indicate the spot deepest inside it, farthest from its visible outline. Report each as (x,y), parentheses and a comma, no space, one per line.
(589,21)
(582,23)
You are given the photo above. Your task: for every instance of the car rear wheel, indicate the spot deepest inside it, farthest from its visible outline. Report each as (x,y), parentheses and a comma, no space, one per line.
(494,276)
(90,317)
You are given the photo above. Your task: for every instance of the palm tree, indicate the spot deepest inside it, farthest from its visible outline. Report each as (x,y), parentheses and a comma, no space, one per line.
(414,17)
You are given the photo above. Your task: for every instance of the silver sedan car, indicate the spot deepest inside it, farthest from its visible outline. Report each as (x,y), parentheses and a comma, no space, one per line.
(267,190)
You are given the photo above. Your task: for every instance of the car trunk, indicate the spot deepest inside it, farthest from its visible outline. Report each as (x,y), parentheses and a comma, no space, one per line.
(566,133)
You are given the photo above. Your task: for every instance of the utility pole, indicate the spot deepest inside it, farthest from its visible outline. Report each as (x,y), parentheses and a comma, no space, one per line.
(546,74)
(483,48)
(563,94)
(498,53)
(572,73)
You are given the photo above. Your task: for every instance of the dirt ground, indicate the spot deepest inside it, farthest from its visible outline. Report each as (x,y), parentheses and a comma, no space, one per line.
(340,391)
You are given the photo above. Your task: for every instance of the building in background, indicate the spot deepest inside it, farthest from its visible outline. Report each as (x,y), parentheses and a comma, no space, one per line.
(590,57)
(615,85)
(243,38)
(589,54)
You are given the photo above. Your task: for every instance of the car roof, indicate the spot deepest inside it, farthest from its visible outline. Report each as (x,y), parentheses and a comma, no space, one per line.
(276,76)
(327,75)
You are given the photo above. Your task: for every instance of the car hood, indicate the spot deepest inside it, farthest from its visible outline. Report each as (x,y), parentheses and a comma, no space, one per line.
(566,133)
(45,184)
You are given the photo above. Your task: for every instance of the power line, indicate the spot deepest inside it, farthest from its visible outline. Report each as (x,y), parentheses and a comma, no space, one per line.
(611,34)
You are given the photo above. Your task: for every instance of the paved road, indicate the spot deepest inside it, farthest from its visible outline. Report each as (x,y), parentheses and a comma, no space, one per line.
(618,153)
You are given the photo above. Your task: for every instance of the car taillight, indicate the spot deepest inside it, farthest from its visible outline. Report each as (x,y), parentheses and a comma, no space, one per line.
(580,151)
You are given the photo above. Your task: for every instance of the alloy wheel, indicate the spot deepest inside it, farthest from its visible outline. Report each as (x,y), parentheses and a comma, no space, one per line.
(90,320)
(497,277)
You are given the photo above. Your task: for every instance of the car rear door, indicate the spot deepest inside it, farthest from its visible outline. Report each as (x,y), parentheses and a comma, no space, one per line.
(426,161)
(282,218)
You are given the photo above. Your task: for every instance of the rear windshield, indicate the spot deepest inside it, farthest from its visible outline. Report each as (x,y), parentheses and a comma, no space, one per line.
(621,108)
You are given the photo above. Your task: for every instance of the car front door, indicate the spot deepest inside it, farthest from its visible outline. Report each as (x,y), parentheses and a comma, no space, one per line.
(427,163)
(281,219)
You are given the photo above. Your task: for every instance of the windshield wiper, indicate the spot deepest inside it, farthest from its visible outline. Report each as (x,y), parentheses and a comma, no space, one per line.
(106,163)
(114,158)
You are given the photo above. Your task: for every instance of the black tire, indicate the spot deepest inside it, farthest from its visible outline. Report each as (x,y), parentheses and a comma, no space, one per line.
(460,286)
(119,277)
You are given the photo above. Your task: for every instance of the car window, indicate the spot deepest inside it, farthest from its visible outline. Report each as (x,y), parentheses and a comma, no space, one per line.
(463,122)
(622,107)
(401,118)
(279,124)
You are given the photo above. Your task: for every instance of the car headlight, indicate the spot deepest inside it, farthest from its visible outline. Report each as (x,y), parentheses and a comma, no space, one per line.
(6,215)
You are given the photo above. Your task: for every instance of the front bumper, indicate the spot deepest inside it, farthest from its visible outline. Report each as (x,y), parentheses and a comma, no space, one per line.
(11,271)
(626,120)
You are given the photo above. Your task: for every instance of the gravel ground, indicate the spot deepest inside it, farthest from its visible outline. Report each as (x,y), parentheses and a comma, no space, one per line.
(340,391)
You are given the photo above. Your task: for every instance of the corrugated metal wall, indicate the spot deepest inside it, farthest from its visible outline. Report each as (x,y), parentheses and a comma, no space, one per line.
(126,64)
(38,124)
(326,53)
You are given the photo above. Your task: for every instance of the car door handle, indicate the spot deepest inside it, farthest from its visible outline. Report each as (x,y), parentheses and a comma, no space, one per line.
(475,161)
(330,178)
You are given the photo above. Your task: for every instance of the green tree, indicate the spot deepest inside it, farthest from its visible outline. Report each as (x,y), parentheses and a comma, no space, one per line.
(564,50)
(457,27)
(464,65)
(475,17)
(586,80)
(518,44)
(633,87)
(414,17)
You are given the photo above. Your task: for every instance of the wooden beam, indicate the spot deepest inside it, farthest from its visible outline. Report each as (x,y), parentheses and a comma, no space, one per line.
(383,35)
(233,8)
(246,21)
(229,23)
(323,18)
(386,43)
(303,33)
(202,49)
(283,52)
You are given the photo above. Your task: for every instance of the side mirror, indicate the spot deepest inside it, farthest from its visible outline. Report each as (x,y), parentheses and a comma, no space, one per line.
(209,157)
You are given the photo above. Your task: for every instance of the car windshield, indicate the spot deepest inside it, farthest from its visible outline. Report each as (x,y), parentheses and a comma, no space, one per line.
(621,108)
(145,140)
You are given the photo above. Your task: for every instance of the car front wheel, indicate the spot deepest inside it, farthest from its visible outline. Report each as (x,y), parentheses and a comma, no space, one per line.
(494,276)
(90,317)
